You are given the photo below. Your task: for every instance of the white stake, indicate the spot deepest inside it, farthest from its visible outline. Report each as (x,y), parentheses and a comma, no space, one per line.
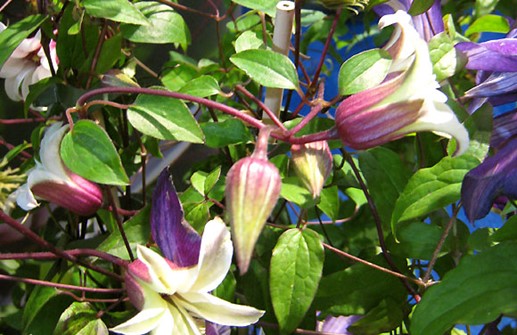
(281,41)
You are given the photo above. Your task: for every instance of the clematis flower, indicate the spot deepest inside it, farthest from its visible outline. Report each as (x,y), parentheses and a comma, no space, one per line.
(51,180)
(172,292)
(407,101)
(427,24)
(496,176)
(27,65)
(496,62)
(338,324)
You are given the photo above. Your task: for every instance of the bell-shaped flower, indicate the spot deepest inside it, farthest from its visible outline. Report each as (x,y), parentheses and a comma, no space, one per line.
(427,24)
(172,292)
(27,65)
(312,163)
(52,181)
(406,102)
(496,62)
(496,176)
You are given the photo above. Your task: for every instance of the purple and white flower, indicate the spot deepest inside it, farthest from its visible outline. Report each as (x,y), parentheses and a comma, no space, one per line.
(173,292)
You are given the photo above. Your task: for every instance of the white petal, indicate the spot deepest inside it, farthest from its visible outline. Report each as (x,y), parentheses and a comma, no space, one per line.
(13,84)
(25,199)
(50,150)
(164,279)
(27,46)
(218,310)
(154,314)
(13,66)
(42,175)
(440,119)
(215,256)
(183,322)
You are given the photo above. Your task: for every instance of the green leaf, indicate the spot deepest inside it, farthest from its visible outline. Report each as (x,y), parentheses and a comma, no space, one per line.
(14,34)
(137,230)
(478,291)
(222,134)
(80,318)
(432,188)
(164,118)
(420,7)
(386,178)
(385,317)
(292,191)
(363,71)
(329,202)
(416,240)
(88,151)
(248,40)
(484,7)
(203,86)
(211,179)
(43,309)
(266,6)
(115,10)
(446,59)
(296,267)
(489,24)
(165,26)
(268,68)
(359,288)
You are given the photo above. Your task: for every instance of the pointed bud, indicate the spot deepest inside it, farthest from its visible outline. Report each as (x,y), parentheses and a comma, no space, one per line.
(252,190)
(312,163)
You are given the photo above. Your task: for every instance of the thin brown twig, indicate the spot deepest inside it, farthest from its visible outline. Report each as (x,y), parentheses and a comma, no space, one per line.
(440,244)
(61,286)
(49,246)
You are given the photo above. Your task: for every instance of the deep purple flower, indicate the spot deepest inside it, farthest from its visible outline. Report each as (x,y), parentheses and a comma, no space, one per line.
(496,62)
(496,176)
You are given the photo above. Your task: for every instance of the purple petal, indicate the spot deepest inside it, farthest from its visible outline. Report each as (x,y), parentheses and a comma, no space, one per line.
(339,324)
(497,175)
(430,23)
(216,329)
(498,83)
(490,56)
(179,242)
(505,128)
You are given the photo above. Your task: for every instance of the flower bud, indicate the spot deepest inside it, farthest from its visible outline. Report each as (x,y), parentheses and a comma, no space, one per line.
(252,190)
(312,163)
(51,180)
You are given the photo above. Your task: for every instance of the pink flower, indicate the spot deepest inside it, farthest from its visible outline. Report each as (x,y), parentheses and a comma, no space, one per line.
(27,65)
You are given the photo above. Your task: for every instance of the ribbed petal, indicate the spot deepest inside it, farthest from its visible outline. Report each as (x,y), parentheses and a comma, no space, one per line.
(497,175)
(215,256)
(339,324)
(184,324)
(498,83)
(216,329)
(438,118)
(13,84)
(178,241)
(220,311)
(499,55)
(505,128)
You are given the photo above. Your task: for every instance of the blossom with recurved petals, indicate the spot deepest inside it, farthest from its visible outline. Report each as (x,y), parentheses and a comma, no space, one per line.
(407,101)
(51,180)
(172,293)
(27,65)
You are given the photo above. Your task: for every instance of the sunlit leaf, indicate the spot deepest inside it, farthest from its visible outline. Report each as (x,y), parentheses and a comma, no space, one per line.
(115,10)
(88,151)
(268,68)
(296,267)
(477,291)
